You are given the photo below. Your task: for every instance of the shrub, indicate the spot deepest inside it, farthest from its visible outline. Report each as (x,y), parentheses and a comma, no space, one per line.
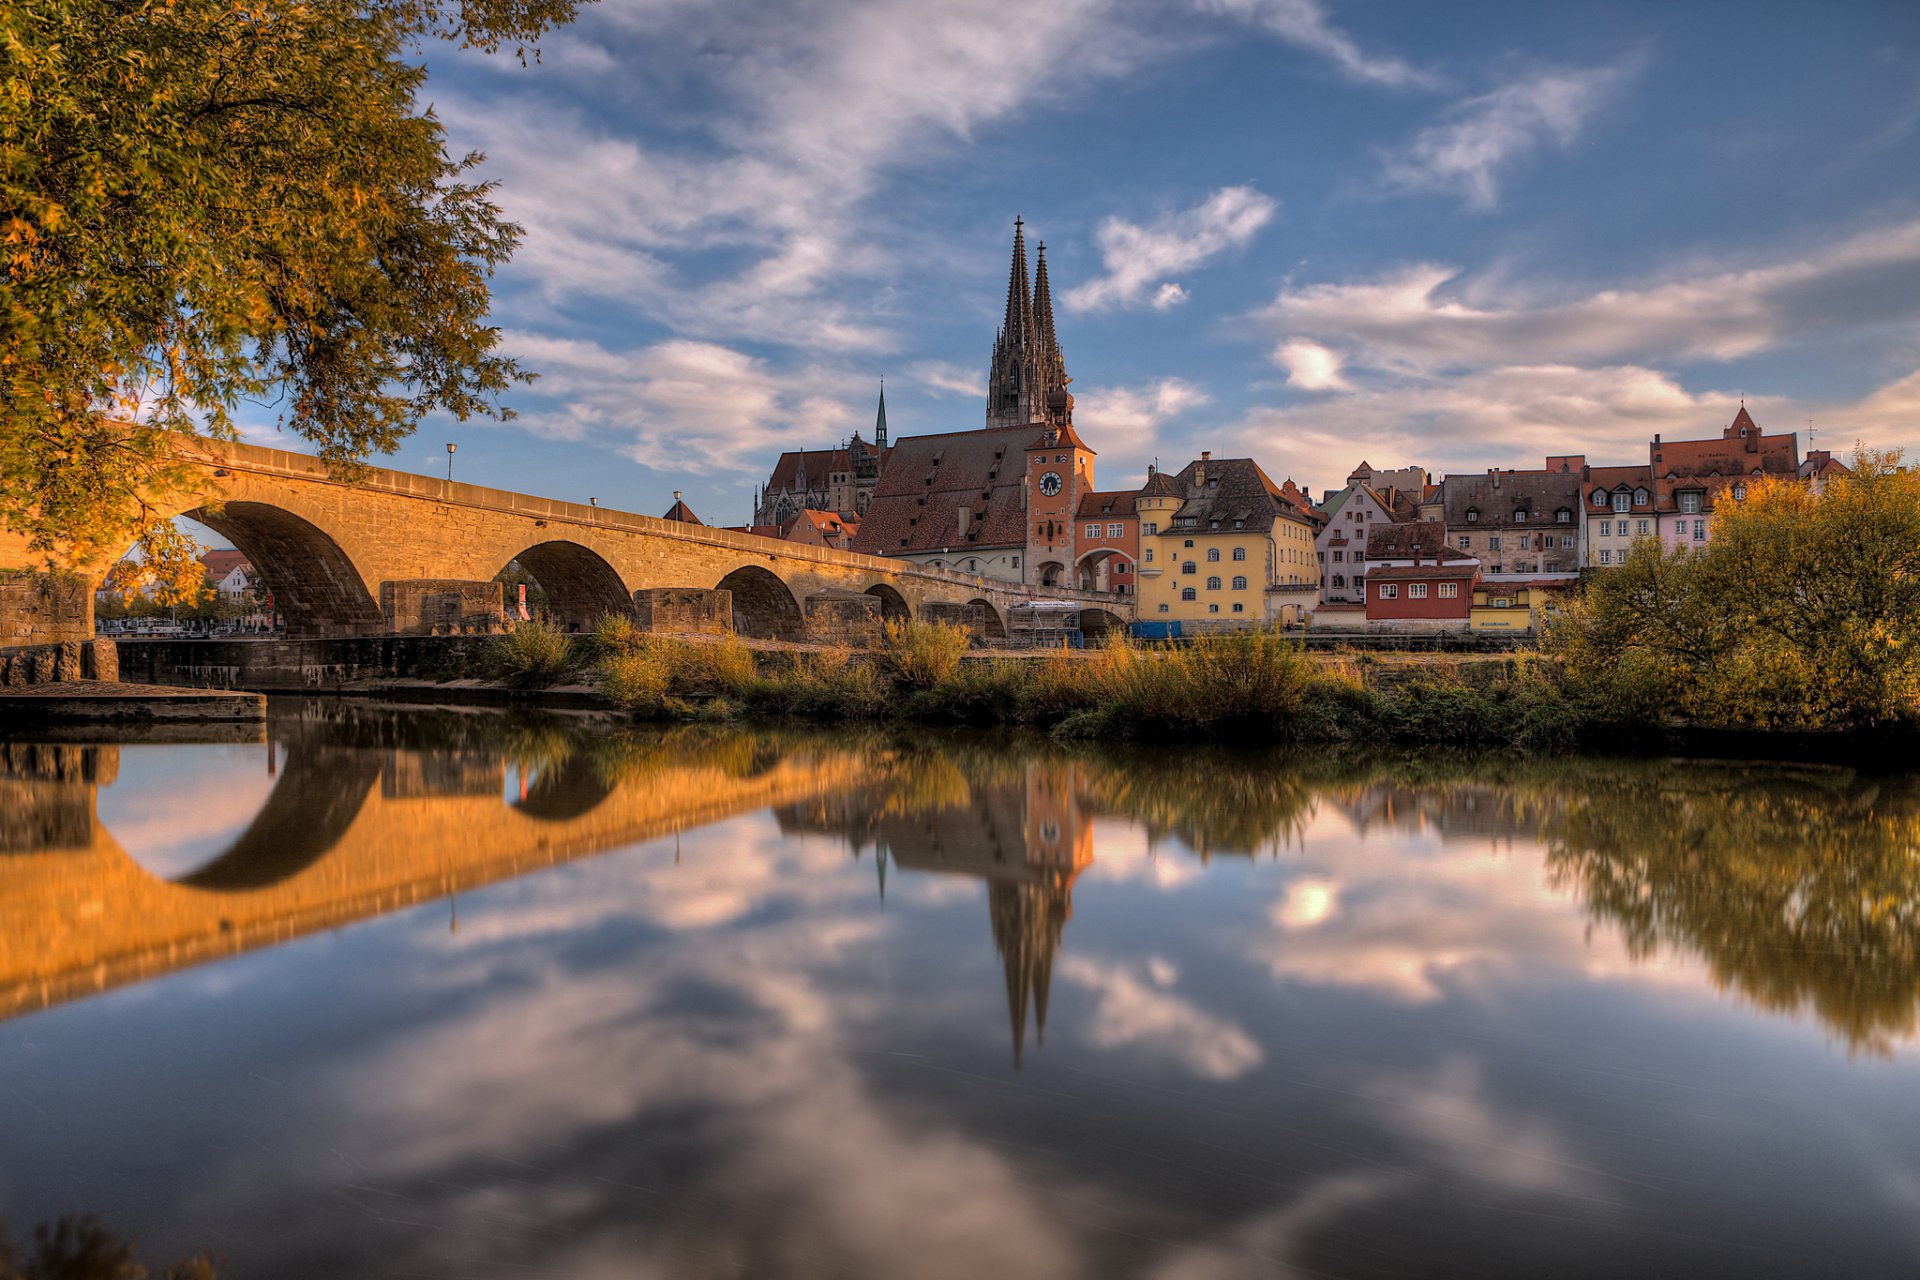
(615,633)
(923,654)
(638,680)
(533,655)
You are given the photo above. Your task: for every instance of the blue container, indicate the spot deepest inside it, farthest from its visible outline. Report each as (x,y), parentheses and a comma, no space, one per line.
(1155,630)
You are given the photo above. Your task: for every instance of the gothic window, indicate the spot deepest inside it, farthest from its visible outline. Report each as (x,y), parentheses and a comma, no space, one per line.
(1188,593)
(1239,583)
(1213,555)
(1239,553)
(1213,584)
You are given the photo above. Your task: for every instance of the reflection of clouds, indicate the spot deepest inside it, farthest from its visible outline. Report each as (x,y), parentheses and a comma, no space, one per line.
(176,808)
(1411,925)
(1265,1244)
(1448,1114)
(484,1128)
(1124,851)
(1132,1012)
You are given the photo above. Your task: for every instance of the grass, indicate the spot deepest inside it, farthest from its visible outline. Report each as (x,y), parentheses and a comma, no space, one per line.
(534,655)
(1246,687)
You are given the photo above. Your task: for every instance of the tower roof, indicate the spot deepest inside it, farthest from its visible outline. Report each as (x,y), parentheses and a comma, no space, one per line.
(681,511)
(880,419)
(1017,329)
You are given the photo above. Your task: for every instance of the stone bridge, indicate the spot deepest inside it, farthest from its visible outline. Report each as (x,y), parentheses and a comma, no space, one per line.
(398,553)
(347,832)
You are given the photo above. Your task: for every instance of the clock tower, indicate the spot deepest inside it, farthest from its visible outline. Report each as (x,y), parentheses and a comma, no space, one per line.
(1059,472)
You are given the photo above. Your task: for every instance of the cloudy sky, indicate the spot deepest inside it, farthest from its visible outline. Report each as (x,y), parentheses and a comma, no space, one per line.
(1307,230)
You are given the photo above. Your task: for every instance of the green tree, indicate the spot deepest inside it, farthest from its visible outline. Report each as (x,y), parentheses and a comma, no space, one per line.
(205,202)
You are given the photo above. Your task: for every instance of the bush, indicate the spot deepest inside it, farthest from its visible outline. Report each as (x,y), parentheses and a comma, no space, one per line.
(638,680)
(614,633)
(923,654)
(534,655)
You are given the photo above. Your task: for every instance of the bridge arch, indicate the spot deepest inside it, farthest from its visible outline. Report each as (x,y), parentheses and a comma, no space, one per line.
(893,605)
(579,583)
(565,789)
(320,793)
(315,584)
(987,622)
(763,606)
(1097,623)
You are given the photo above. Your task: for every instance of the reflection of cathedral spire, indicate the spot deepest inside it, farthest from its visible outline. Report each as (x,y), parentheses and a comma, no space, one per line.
(1027,920)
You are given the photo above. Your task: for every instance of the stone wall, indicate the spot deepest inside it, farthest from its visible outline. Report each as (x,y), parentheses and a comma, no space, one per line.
(441,607)
(843,617)
(59,663)
(684,611)
(44,608)
(289,666)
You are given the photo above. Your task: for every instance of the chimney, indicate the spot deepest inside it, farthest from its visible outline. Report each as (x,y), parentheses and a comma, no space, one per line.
(1493,474)
(966,518)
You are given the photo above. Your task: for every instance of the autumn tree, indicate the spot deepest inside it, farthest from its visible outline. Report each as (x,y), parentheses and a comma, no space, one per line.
(215,203)
(1803,610)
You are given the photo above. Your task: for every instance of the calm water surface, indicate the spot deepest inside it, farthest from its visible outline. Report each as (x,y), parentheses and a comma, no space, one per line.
(431,993)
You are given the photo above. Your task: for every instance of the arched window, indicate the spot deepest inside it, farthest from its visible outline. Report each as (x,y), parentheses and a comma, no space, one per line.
(1188,593)
(1239,583)
(1239,553)
(1213,584)
(1213,608)
(1188,566)
(1213,555)
(1163,608)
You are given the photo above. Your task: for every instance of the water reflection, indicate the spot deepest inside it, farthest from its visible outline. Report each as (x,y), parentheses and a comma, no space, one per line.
(869,1003)
(1798,888)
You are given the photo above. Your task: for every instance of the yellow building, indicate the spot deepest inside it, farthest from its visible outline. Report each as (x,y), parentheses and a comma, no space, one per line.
(1221,545)
(1511,606)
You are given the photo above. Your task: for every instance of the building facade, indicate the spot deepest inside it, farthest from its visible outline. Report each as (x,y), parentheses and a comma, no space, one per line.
(1341,547)
(1616,508)
(1691,476)
(1520,525)
(1222,545)
(1109,543)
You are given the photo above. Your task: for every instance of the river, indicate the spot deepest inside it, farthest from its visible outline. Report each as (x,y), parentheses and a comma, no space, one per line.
(395,992)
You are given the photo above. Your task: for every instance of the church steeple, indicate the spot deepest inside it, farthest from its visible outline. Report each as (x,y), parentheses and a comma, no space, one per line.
(1025,354)
(880,420)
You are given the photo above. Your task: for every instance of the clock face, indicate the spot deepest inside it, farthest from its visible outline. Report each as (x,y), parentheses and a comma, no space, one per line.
(1050,483)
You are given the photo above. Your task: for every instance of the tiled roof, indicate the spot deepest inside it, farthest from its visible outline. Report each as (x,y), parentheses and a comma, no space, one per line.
(1160,485)
(1233,493)
(1497,496)
(817,464)
(1410,540)
(1114,503)
(929,480)
(1400,573)
(221,563)
(680,511)
(1608,479)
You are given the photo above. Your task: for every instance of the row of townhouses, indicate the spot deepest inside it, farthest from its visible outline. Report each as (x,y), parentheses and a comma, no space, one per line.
(1220,544)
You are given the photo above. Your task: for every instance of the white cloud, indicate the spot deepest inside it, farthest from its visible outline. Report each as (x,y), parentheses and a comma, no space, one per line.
(1305,25)
(805,106)
(1137,1010)
(1139,258)
(1448,1114)
(1169,296)
(1127,421)
(707,407)
(1483,137)
(943,377)
(1310,366)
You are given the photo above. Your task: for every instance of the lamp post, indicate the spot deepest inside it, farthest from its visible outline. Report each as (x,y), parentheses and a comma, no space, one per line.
(450,449)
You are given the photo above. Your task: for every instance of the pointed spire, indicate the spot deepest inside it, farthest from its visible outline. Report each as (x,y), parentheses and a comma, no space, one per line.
(1049,347)
(880,420)
(1017,329)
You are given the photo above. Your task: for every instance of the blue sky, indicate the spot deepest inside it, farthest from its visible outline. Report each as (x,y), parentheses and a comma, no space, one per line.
(1458,235)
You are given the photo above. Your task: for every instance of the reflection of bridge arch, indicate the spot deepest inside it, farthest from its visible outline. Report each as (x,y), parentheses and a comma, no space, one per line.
(763,605)
(320,792)
(314,582)
(570,788)
(579,583)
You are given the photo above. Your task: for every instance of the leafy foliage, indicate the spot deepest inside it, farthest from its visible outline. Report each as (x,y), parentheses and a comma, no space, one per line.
(211,202)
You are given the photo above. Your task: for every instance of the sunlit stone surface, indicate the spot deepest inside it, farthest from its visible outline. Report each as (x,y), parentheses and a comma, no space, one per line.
(400,992)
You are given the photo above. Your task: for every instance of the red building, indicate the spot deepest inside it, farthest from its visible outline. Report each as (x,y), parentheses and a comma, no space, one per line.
(1415,594)
(1108,548)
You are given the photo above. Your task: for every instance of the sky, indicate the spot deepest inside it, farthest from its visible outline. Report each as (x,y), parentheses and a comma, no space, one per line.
(1306,231)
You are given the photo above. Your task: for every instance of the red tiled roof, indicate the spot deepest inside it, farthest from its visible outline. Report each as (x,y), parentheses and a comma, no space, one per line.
(1110,503)
(682,512)
(221,563)
(928,480)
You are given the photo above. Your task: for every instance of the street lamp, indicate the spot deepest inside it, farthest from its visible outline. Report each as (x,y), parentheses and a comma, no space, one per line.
(450,448)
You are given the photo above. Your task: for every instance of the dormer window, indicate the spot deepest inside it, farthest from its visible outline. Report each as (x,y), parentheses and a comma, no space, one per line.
(1599,498)
(1520,515)
(1623,501)
(1473,515)
(1563,516)
(1639,497)
(1690,501)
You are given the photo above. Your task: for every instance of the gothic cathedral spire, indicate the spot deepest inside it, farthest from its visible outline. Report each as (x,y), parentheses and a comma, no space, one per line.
(1027,379)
